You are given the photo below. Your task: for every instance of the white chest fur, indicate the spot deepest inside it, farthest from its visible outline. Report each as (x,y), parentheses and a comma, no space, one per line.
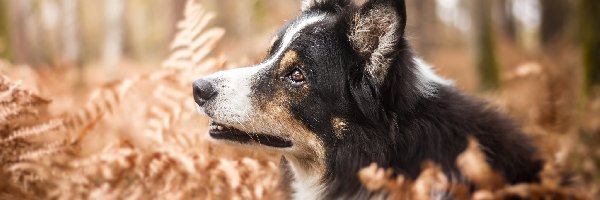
(306,186)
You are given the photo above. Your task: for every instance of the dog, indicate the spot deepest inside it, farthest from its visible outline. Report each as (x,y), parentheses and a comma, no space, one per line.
(340,89)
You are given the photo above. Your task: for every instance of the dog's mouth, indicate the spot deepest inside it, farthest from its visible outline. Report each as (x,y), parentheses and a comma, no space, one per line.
(224,132)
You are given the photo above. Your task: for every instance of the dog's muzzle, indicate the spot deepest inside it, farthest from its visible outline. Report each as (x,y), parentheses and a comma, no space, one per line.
(221,128)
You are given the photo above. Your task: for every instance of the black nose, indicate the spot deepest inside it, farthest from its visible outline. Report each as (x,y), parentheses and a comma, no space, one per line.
(203,91)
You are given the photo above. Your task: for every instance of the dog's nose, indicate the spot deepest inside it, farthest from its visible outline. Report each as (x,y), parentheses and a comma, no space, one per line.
(203,91)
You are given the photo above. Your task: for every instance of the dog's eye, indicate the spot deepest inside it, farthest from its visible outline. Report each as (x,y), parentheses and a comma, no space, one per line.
(297,76)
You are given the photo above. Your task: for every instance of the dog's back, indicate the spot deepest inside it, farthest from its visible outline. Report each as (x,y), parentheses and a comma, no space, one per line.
(440,128)
(433,129)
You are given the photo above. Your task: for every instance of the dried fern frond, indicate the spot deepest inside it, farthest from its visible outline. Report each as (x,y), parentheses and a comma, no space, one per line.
(130,173)
(157,107)
(101,101)
(193,41)
(44,150)
(484,182)
(34,130)
(11,151)
(22,119)
(17,105)
(11,92)
(472,162)
(431,184)
(15,113)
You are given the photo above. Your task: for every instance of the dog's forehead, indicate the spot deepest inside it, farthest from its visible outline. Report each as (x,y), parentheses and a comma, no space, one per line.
(291,32)
(301,22)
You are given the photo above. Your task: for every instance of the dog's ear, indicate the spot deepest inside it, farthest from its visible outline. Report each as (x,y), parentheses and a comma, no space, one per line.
(375,32)
(311,4)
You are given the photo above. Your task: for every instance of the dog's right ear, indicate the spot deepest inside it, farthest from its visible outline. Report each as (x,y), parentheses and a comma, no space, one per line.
(311,4)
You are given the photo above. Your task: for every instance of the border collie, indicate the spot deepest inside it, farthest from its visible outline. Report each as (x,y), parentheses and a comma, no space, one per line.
(340,89)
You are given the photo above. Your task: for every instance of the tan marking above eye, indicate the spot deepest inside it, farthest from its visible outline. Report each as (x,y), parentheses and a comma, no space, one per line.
(290,57)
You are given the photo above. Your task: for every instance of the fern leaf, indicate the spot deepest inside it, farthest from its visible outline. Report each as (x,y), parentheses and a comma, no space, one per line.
(38,129)
(43,151)
(193,42)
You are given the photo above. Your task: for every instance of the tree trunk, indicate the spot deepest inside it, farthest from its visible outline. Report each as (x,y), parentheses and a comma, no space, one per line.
(555,16)
(507,19)
(70,32)
(590,38)
(485,56)
(20,31)
(113,38)
(5,52)
(178,7)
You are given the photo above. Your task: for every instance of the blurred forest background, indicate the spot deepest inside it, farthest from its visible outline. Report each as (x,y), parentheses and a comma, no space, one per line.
(458,36)
(538,60)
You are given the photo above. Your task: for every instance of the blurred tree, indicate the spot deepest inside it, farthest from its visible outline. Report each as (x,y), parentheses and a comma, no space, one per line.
(70,32)
(590,38)
(555,17)
(4,34)
(178,7)
(485,62)
(25,38)
(113,39)
(507,19)
(148,25)
(48,13)
(421,21)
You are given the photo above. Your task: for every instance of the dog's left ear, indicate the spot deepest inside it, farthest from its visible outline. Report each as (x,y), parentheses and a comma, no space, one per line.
(376,30)
(311,4)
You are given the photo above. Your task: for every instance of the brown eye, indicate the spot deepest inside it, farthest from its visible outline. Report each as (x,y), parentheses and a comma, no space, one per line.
(297,76)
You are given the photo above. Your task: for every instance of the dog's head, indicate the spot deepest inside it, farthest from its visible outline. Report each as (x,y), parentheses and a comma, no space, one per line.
(326,69)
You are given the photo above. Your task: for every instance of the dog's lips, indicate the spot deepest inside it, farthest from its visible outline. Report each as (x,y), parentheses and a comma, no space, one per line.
(223,132)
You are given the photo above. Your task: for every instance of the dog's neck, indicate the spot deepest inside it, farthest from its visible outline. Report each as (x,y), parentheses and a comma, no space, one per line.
(306,177)
(319,179)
